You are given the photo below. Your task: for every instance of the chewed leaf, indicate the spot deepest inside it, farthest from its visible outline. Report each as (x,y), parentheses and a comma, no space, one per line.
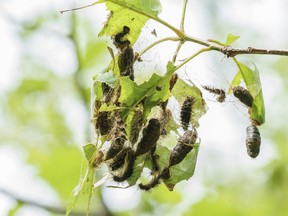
(181,90)
(231,39)
(131,13)
(253,83)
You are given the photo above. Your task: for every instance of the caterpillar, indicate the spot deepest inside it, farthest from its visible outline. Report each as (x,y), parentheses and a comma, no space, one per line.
(125,62)
(103,123)
(136,125)
(153,183)
(253,141)
(154,160)
(186,111)
(165,174)
(118,38)
(243,95)
(221,95)
(126,170)
(151,134)
(119,159)
(183,147)
(117,135)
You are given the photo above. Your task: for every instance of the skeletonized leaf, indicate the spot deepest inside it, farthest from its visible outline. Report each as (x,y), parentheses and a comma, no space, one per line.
(131,13)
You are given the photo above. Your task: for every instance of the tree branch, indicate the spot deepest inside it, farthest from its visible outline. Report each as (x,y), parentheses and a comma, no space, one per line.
(232,52)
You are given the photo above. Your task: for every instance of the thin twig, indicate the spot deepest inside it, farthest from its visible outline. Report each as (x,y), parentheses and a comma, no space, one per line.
(232,52)
(183,15)
(182,29)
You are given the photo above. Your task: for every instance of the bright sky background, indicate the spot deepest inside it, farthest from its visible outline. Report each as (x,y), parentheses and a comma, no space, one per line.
(222,130)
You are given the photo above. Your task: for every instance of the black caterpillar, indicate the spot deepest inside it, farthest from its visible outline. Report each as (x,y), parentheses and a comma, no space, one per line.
(243,95)
(151,134)
(253,141)
(221,95)
(183,147)
(126,57)
(186,112)
(126,170)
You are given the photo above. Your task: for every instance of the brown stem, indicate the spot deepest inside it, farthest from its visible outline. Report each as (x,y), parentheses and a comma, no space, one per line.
(232,52)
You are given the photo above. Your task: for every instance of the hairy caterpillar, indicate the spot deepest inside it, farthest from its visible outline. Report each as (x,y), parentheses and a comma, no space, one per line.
(253,141)
(219,92)
(153,183)
(117,135)
(183,147)
(125,171)
(136,125)
(243,95)
(151,134)
(103,123)
(186,111)
(118,42)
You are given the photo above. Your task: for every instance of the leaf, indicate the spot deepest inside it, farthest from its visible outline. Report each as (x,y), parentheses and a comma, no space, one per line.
(253,83)
(182,171)
(181,90)
(231,39)
(132,94)
(89,150)
(82,190)
(235,82)
(132,13)
(107,77)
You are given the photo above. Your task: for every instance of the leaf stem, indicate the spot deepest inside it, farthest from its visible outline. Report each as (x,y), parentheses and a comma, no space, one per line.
(183,15)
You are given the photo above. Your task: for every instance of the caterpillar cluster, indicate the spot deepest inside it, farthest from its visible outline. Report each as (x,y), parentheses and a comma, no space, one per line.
(136,136)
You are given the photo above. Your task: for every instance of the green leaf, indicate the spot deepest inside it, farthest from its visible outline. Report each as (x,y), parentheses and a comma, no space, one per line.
(182,171)
(131,13)
(137,170)
(83,190)
(89,150)
(132,94)
(235,82)
(253,83)
(181,90)
(107,77)
(231,39)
